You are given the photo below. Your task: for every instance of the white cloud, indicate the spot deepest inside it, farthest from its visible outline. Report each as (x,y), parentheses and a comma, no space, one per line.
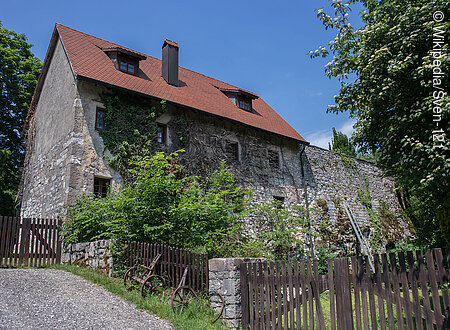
(323,137)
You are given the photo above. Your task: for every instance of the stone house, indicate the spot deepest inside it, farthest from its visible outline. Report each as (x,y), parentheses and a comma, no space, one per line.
(66,155)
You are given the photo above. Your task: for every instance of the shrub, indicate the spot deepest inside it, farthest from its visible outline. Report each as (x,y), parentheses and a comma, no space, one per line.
(161,205)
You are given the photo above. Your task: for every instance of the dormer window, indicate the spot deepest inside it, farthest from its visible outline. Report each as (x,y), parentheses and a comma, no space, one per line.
(127,66)
(242,99)
(244,104)
(124,60)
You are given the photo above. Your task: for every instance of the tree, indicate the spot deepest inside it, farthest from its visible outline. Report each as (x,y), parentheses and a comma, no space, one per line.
(342,144)
(390,82)
(19,70)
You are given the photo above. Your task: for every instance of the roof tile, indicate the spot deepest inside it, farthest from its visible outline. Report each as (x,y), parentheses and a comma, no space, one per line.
(196,90)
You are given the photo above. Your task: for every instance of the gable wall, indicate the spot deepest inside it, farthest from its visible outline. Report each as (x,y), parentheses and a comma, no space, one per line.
(47,168)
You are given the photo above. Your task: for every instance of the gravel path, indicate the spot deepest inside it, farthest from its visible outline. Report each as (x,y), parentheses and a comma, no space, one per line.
(55,299)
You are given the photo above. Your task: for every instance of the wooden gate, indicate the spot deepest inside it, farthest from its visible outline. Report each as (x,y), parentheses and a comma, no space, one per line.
(280,295)
(29,242)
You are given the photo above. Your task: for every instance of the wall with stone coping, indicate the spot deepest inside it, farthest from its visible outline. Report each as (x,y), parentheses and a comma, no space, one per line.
(96,255)
(224,277)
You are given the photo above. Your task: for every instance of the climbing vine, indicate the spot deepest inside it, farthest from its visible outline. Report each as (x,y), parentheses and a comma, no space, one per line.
(130,132)
(366,199)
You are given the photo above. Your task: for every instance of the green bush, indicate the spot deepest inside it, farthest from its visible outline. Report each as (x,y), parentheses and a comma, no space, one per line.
(161,205)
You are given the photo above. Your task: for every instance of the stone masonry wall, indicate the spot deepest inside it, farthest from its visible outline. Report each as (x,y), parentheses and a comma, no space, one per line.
(224,277)
(96,255)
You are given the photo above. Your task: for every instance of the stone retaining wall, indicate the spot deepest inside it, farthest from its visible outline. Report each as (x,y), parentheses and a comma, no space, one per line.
(95,255)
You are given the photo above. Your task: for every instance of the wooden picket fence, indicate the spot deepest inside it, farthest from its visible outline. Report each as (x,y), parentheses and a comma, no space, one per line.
(407,291)
(29,242)
(172,263)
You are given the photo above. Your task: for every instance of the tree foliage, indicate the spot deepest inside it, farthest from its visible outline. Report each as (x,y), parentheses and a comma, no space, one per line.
(386,73)
(19,70)
(342,144)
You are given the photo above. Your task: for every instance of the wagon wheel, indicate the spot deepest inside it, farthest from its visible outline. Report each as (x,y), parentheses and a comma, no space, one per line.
(216,300)
(182,297)
(128,280)
(153,284)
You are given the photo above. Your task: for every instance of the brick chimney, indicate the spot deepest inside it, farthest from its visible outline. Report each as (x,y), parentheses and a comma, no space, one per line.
(170,62)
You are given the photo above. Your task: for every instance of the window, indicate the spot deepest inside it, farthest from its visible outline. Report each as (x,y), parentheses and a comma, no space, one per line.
(244,104)
(232,150)
(274,159)
(161,134)
(101,186)
(100,117)
(127,65)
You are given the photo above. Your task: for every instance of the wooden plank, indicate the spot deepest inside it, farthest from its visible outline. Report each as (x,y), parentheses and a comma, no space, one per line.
(439,318)
(272,276)
(13,241)
(244,294)
(58,241)
(22,241)
(284,293)
(363,287)
(32,243)
(55,237)
(265,276)
(405,291)
(303,287)
(356,291)
(261,294)
(443,277)
(3,227)
(40,247)
(414,288)
(5,239)
(251,293)
(388,291)
(395,281)
(427,313)
(257,295)
(310,294)
(279,298)
(26,243)
(370,290)
(291,296)
(10,241)
(296,284)
(51,244)
(331,293)
(316,294)
(45,247)
(380,292)
(207,271)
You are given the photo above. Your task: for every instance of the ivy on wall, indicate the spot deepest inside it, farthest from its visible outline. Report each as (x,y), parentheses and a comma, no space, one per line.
(130,132)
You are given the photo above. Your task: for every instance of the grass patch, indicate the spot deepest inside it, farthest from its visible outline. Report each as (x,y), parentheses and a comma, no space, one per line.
(198,315)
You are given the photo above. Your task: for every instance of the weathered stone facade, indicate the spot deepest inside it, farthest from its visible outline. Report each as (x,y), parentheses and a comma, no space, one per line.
(65,152)
(96,255)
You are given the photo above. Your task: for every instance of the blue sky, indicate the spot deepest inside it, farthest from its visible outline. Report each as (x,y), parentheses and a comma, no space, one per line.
(260,46)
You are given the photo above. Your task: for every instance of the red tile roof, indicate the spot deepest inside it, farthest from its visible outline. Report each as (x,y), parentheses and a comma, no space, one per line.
(195,91)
